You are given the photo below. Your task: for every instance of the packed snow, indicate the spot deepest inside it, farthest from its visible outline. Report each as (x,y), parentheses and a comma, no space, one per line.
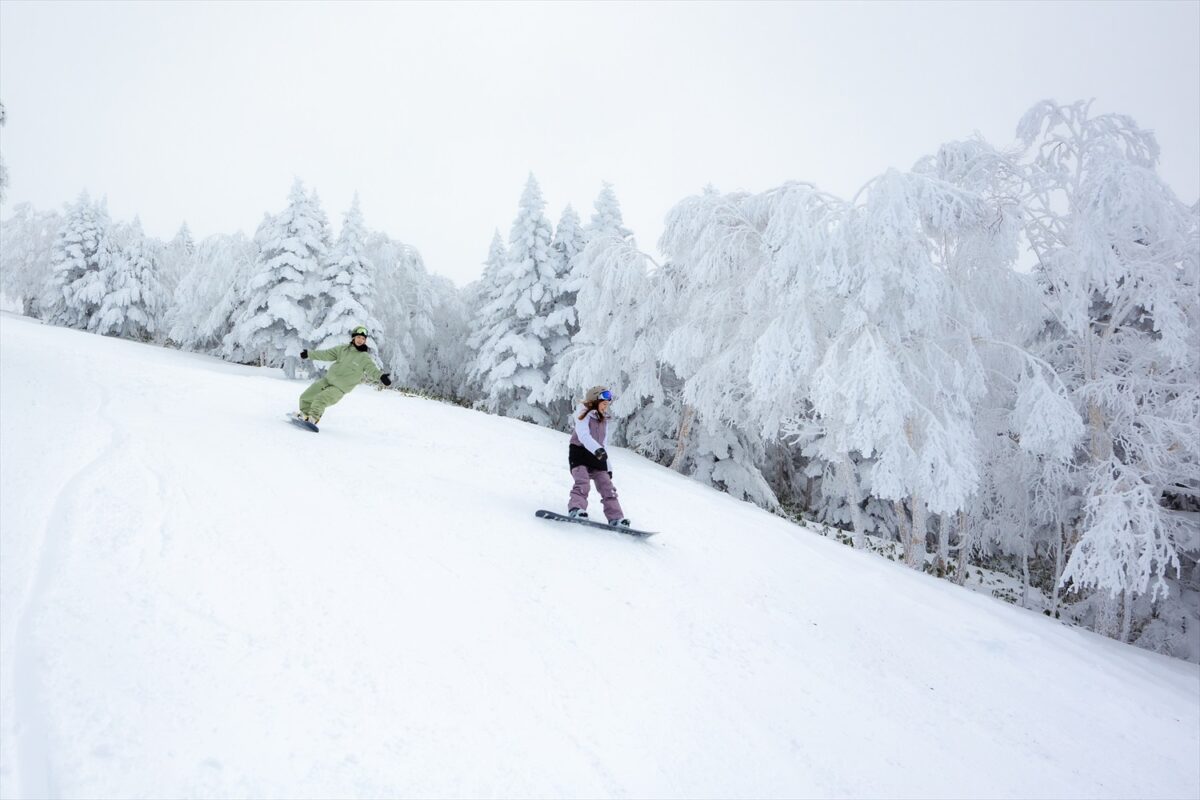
(200,600)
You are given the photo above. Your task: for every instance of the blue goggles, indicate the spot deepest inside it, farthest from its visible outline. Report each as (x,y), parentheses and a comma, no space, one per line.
(606,395)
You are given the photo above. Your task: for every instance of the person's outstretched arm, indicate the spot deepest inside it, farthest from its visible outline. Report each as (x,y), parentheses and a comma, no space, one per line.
(326,355)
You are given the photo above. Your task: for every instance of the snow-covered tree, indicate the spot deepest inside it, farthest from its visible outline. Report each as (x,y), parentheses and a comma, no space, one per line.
(183,241)
(79,266)
(347,284)
(177,257)
(569,242)
(1118,257)
(715,245)
(442,366)
(901,376)
(405,306)
(136,302)
(618,339)
(480,298)
(606,223)
(513,362)
(493,267)
(210,297)
(606,216)
(26,252)
(1025,426)
(605,296)
(275,322)
(3,169)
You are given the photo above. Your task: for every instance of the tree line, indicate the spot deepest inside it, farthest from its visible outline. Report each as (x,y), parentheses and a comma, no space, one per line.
(990,357)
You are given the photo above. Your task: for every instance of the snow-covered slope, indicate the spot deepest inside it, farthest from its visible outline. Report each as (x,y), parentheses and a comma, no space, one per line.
(198,599)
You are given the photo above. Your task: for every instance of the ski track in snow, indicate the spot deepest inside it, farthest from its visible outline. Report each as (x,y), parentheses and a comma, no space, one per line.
(34,774)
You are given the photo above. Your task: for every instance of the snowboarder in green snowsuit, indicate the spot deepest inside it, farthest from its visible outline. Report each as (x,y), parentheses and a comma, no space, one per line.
(351,363)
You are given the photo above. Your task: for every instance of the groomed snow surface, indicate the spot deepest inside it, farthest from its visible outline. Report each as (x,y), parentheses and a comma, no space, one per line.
(198,599)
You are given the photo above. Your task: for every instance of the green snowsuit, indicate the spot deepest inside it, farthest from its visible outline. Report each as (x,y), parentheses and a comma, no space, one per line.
(350,365)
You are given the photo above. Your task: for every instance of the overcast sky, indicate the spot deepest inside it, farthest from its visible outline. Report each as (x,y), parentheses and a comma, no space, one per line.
(435,113)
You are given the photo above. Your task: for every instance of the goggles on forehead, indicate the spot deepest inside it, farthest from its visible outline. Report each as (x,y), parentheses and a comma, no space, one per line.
(605,395)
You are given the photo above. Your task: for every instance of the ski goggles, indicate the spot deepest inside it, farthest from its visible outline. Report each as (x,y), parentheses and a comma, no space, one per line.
(605,395)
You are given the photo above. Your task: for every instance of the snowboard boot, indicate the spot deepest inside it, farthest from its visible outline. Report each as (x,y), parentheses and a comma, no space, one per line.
(623,522)
(577,513)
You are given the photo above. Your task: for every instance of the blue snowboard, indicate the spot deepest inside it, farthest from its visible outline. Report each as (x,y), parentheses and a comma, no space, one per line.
(554,515)
(308,426)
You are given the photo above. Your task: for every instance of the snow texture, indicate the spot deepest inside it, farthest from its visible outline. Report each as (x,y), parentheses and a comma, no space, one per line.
(198,600)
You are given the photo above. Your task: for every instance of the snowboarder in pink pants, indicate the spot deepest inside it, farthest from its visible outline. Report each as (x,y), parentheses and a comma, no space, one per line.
(589,459)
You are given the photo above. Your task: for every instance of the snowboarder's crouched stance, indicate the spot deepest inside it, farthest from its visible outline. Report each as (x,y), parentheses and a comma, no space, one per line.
(351,363)
(589,459)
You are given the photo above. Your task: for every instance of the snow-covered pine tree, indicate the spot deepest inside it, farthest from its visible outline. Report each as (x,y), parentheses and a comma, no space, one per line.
(513,363)
(210,297)
(618,339)
(619,347)
(493,267)
(183,242)
(347,285)
(606,216)
(275,322)
(569,242)
(1118,256)
(606,223)
(79,266)
(26,252)
(177,257)
(136,302)
(561,319)
(326,230)
(481,298)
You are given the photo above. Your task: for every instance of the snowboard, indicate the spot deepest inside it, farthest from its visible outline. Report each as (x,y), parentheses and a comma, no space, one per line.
(308,426)
(554,515)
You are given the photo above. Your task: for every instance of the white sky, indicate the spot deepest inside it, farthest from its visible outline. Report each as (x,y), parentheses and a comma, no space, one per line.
(435,113)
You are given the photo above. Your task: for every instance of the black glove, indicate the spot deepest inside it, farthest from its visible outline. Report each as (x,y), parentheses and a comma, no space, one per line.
(601,454)
(386,379)
(304,354)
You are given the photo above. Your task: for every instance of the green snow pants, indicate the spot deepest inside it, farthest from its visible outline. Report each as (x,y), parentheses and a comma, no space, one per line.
(318,397)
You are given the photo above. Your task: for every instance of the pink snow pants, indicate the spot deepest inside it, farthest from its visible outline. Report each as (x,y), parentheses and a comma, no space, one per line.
(608,493)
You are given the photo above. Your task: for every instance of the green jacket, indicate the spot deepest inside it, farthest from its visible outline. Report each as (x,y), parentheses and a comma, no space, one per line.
(349,365)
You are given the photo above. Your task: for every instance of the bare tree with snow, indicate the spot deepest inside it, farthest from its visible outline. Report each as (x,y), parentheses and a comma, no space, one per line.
(209,298)
(1118,256)
(27,240)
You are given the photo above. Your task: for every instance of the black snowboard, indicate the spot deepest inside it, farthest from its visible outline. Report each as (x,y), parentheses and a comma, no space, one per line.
(308,426)
(554,515)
